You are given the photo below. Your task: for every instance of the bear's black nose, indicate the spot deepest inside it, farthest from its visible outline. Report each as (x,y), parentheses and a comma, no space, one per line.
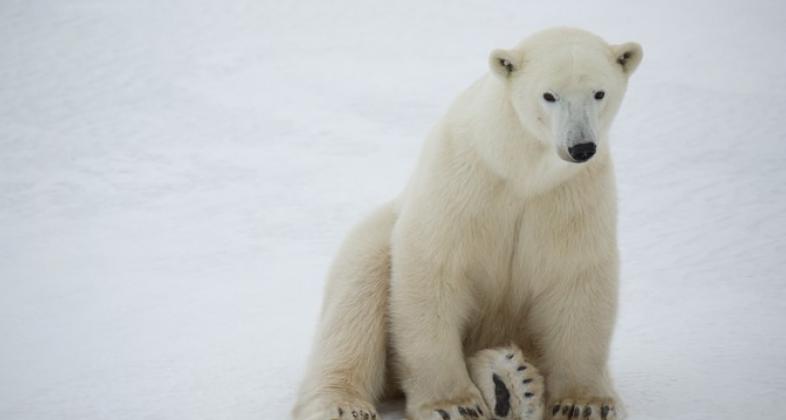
(582,152)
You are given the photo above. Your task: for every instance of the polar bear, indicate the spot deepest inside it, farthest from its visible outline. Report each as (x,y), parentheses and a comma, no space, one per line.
(488,288)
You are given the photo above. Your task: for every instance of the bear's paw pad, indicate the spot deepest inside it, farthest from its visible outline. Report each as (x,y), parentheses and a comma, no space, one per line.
(511,385)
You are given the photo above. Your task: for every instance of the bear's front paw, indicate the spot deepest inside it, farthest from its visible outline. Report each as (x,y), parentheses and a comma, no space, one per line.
(584,409)
(465,408)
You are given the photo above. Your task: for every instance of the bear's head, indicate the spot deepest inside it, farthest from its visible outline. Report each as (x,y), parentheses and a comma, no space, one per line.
(565,86)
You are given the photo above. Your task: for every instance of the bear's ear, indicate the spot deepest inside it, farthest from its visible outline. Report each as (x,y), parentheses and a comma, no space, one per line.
(627,55)
(505,62)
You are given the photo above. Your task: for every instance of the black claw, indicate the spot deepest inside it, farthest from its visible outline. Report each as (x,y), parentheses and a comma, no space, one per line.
(576,411)
(477,407)
(444,414)
(528,395)
(354,413)
(587,411)
(373,417)
(340,412)
(604,412)
(555,410)
(526,381)
(472,413)
(365,416)
(521,368)
(566,409)
(510,356)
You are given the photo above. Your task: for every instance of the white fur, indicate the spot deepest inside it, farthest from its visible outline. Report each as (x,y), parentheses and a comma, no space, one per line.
(497,239)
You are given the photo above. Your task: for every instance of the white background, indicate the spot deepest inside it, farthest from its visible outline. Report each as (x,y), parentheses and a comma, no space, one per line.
(175,177)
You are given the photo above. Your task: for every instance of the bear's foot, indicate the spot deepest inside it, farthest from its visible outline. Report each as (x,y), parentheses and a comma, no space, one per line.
(462,408)
(511,386)
(584,409)
(355,412)
(330,409)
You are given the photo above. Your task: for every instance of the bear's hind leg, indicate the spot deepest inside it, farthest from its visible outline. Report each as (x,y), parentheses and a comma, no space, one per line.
(347,368)
(511,386)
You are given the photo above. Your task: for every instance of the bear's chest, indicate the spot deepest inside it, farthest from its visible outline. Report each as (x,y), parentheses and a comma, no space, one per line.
(526,246)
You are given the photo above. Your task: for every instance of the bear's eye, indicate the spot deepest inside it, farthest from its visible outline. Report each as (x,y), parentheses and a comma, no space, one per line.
(549,97)
(600,94)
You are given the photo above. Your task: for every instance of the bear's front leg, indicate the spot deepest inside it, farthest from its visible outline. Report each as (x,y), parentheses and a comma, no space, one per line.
(573,322)
(428,305)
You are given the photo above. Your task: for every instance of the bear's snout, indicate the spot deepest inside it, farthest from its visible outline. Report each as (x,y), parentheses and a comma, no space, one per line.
(582,152)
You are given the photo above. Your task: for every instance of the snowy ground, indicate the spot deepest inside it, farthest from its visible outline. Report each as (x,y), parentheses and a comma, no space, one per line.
(176,176)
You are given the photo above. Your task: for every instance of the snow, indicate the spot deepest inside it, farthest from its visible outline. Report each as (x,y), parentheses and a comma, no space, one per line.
(175,178)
